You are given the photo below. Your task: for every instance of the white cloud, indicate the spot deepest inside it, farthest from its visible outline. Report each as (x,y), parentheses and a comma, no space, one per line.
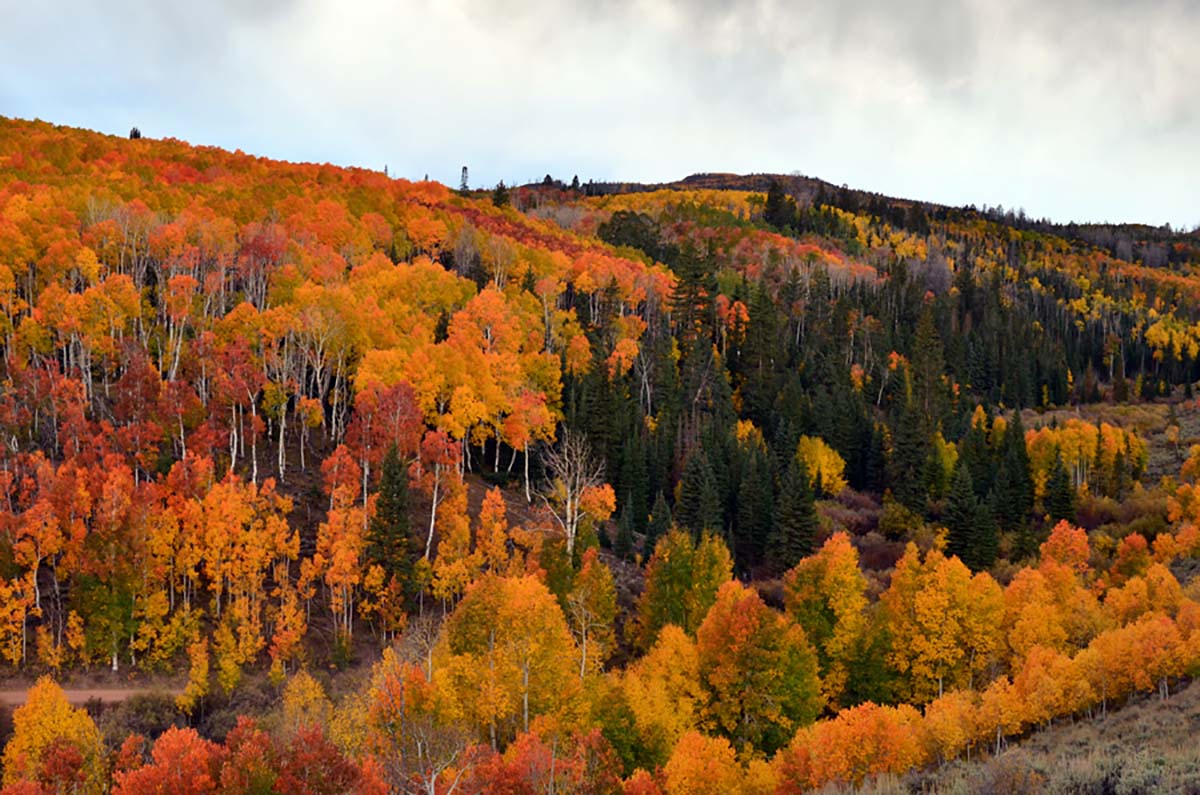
(1076,109)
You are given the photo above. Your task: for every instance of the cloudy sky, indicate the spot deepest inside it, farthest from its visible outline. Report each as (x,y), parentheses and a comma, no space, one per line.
(1082,109)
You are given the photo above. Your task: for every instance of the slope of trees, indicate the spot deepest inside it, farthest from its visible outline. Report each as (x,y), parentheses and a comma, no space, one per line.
(260,418)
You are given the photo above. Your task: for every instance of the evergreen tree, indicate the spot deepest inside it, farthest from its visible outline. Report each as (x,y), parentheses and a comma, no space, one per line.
(623,545)
(761,356)
(692,301)
(633,480)
(1060,493)
(755,508)
(907,465)
(390,542)
(1014,480)
(928,369)
(977,454)
(779,210)
(962,509)
(1120,476)
(985,537)
(699,505)
(875,467)
(973,534)
(796,519)
(658,526)
(500,195)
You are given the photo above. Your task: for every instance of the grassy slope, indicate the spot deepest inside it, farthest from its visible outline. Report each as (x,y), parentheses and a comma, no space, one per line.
(1148,746)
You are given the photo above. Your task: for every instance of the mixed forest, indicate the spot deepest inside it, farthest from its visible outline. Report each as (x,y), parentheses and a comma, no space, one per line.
(738,484)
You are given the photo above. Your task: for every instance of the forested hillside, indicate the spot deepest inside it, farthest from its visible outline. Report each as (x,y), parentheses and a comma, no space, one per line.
(740,484)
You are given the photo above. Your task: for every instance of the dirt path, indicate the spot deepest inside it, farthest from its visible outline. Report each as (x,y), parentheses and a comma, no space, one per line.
(15,698)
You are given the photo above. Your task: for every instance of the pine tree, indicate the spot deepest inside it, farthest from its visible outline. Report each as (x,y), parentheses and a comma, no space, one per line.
(390,542)
(779,210)
(633,480)
(1014,481)
(796,519)
(962,509)
(658,526)
(985,536)
(755,507)
(876,460)
(760,359)
(1060,493)
(623,545)
(928,370)
(692,300)
(1120,476)
(500,195)
(910,453)
(978,456)
(699,505)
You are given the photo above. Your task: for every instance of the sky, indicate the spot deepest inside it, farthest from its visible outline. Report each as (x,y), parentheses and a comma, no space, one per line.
(1085,110)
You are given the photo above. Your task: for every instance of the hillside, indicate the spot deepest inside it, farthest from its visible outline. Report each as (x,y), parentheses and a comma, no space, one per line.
(750,483)
(1145,747)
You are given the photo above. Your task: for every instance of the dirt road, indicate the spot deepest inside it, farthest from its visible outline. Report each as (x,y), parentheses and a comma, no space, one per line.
(15,698)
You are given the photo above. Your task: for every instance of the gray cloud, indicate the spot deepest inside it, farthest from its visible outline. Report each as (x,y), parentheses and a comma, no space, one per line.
(1085,109)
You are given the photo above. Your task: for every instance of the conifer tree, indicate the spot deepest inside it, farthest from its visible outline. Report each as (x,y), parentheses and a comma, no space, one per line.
(1060,493)
(632,485)
(977,454)
(1014,480)
(659,524)
(390,542)
(500,195)
(985,537)
(699,505)
(779,210)
(755,506)
(962,509)
(928,370)
(623,545)
(910,454)
(796,518)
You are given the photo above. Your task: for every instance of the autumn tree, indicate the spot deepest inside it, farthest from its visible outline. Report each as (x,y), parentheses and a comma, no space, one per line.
(823,465)
(506,656)
(591,610)
(701,764)
(398,721)
(826,595)
(47,725)
(858,742)
(305,704)
(664,692)
(573,472)
(758,670)
(181,761)
(944,623)
(682,580)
